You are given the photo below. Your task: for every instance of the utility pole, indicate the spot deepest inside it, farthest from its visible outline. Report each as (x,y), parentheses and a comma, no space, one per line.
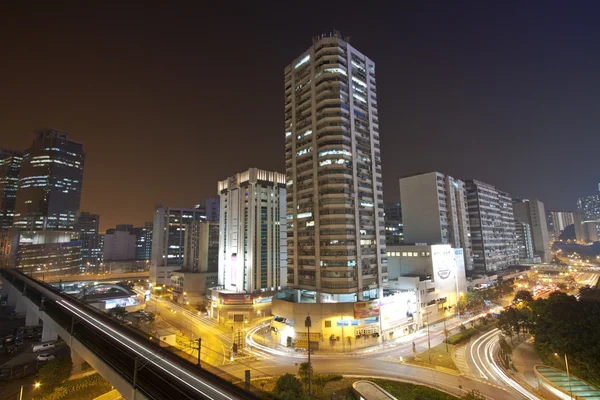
(135,372)
(199,350)
(568,376)
(307,324)
(446,334)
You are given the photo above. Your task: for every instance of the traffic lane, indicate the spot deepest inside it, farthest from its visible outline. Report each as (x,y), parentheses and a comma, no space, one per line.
(214,351)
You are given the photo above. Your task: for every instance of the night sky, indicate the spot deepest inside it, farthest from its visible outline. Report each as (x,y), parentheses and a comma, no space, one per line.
(168,100)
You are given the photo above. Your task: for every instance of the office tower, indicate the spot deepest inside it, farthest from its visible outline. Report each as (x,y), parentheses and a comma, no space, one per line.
(119,243)
(143,241)
(210,206)
(589,207)
(202,246)
(394,229)
(87,226)
(585,231)
(493,236)
(10,168)
(168,241)
(434,211)
(524,241)
(50,183)
(558,221)
(336,228)
(532,212)
(252,245)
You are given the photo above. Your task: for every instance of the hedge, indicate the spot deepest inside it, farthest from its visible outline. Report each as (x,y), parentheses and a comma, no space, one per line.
(74,386)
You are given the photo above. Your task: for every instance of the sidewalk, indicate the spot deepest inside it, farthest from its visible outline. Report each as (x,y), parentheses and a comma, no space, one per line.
(524,358)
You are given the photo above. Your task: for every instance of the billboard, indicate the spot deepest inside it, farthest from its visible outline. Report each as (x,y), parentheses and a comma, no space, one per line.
(397,310)
(366,309)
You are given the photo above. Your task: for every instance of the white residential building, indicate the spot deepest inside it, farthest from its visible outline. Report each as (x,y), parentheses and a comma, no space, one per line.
(252,240)
(493,236)
(434,211)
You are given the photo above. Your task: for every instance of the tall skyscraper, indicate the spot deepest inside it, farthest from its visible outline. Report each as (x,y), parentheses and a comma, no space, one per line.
(168,241)
(87,226)
(252,245)
(434,211)
(394,228)
(143,241)
(336,229)
(493,235)
(49,193)
(10,168)
(532,212)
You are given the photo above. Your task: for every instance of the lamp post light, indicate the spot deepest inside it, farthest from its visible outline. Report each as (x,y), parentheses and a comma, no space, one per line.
(307,324)
(35,386)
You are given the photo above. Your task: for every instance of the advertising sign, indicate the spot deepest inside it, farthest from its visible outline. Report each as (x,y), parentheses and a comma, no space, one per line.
(366,309)
(397,309)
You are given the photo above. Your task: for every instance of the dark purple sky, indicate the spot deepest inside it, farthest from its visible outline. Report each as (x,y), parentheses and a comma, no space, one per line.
(169,100)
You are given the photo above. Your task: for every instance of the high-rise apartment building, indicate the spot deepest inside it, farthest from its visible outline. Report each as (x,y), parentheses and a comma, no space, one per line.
(524,241)
(87,226)
(211,207)
(10,168)
(51,177)
(558,221)
(252,245)
(532,212)
(434,211)
(168,241)
(336,228)
(202,247)
(119,243)
(493,235)
(589,206)
(394,229)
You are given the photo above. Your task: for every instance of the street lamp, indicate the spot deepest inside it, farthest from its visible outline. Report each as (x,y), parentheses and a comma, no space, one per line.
(35,386)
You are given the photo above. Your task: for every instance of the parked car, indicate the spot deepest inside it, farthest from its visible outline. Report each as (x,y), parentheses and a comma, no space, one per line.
(43,346)
(45,357)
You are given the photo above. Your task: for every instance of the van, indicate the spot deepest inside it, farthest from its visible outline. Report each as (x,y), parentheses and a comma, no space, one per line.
(43,346)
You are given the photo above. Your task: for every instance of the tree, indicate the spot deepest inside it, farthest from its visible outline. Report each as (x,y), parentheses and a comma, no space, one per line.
(54,373)
(523,295)
(303,371)
(289,387)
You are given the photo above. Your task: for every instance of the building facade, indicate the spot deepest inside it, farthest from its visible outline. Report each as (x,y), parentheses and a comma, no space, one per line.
(252,243)
(50,182)
(394,228)
(524,241)
(87,226)
(10,168)
(335,212)
(589,207)
(560,220)
(532,212)
(119,244)
(45,253)
(143,242)
(202,247)
(434,211)
(168,241)
(211,207)
(493,235)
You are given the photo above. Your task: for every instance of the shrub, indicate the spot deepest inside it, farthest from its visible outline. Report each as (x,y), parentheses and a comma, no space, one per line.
(462,336)
(54,373)
(289,387)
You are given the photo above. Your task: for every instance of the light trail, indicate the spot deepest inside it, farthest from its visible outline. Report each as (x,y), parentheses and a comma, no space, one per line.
(148,355)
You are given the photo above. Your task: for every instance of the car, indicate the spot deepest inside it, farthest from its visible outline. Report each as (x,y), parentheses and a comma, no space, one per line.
(45,357)
(43,346)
